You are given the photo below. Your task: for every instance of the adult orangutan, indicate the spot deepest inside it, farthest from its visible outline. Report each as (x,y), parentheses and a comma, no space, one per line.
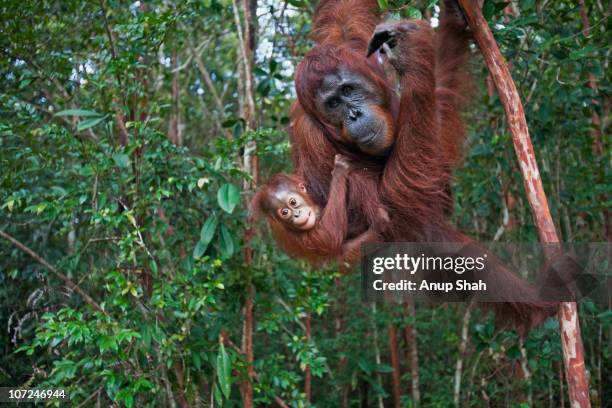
(347,104)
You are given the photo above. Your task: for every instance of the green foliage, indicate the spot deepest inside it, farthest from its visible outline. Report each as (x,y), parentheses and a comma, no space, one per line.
(224,371)
(154,230)
(228,197)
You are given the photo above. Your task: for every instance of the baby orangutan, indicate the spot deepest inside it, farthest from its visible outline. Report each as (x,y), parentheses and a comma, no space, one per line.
(303,229)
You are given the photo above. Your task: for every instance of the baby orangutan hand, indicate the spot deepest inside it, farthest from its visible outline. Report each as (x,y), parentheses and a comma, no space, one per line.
(384,215)
(341,165)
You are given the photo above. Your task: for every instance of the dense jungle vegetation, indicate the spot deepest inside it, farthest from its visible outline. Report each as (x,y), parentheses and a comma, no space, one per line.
(131,134)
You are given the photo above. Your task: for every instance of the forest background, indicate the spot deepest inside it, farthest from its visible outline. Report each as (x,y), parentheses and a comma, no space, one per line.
(131,138)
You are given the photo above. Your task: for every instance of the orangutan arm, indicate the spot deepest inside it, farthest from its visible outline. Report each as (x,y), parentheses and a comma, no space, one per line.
(351,250)
(416,175)
(330,233)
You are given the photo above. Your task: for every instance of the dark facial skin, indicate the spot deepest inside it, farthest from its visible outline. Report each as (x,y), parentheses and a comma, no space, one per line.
(354,105)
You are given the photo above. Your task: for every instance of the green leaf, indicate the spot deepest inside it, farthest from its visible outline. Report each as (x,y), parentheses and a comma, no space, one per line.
(89,123)
(607,315)
(143,384)
(383,4)
(273,64)
(488,9)
(513,352)
(206,235)
(25,83)
(363,364)
(383,368)
(208,230)
(228,197)
(197,361)
(237,129)
(153,266)
(122,160)
(414,13)
(78,112)
(228,123)
(107,343)
(296,3)
(199,249)
(217,395)
(499,6)
(224,370)
(226,243)
(126,395)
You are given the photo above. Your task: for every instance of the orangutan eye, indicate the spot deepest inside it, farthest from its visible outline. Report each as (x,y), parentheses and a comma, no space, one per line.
(284,212)
(292,201)
(333,102)
(346,90)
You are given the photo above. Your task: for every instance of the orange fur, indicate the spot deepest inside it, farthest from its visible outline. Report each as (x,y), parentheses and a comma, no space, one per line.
(413,182)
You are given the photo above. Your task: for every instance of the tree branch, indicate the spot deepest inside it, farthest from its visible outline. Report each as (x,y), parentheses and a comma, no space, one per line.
(69,282)
(571,341)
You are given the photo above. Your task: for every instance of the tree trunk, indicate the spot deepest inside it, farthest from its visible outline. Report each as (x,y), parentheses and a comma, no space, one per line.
(465,327)
(586,31)
(173,128)
(412,353)
(307,373)
(525,372)
(246,388)
(379,397)
(246,42)
(561,388)
(394,355)
(179,374)
(338,329)
(571,340)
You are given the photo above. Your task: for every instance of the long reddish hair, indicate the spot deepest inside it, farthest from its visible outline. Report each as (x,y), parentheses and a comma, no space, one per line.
(321,243)
(414,180)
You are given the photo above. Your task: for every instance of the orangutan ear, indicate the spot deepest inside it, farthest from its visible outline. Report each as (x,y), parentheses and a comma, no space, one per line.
(302,187)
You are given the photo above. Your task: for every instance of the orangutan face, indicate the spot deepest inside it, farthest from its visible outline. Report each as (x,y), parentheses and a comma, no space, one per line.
(355,106)
(294,208)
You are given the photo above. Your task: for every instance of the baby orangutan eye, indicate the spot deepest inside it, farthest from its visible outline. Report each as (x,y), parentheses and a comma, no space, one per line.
(284,212)
(292,201)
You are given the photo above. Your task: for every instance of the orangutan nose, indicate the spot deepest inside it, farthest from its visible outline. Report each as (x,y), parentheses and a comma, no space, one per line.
(354,114)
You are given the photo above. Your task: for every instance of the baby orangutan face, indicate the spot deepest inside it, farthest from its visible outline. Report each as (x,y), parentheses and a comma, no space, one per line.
(293,207)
